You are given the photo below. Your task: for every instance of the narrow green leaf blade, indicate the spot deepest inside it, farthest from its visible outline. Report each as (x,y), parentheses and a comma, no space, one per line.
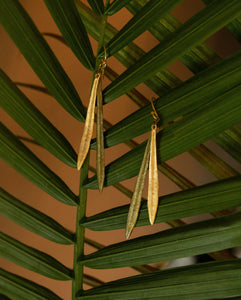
(199,282)
(204,199)
(188,240)
(115,6)
(193,32)
(17,105)
(230,141)
(97,6)
(190,95)
(135,204)
(190,131)
(148,15)
(67,18)
(27,164)
(33,220)
(41,58)
(19,288)
(32,259)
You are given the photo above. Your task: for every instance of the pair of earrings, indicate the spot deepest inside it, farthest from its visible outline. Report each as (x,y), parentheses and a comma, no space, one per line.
(95,96)
(149,159)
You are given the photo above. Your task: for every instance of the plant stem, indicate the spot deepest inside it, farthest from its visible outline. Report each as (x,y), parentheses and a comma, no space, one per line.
(77,283)
(101,38)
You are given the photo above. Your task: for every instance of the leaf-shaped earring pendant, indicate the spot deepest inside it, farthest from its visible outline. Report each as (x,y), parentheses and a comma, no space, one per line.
(153,185)
(89,122)
(150,158)
(136,198)
(100,157)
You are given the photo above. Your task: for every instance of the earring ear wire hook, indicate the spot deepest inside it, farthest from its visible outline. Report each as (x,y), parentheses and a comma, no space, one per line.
(102,66)
(154,112)
(105,53)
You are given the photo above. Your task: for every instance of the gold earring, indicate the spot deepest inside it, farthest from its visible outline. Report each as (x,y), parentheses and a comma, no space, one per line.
(153,184)
(150,158)
(96,94)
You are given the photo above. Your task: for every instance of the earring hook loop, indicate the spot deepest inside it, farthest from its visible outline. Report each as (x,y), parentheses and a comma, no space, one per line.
(105,53)
(154,112)
(102,66)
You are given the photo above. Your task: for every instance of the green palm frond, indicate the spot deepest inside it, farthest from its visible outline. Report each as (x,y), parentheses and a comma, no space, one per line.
(205,107)
(182,283)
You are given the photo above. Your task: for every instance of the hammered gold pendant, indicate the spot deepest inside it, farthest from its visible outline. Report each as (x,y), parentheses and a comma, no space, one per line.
(89,125)
(96,94)
(153,185)
(136,198)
